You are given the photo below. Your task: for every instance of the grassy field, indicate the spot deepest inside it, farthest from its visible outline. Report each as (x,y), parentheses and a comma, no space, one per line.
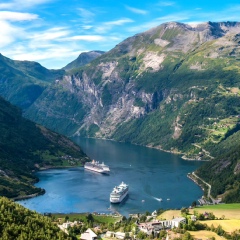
(204,235)
(82,217)
(229,211)
(170,214)
(227,225)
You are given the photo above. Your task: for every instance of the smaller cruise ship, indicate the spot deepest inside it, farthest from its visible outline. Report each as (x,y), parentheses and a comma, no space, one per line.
(119,193)
(95,166)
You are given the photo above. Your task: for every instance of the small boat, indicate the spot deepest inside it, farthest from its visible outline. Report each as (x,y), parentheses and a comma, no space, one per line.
(168,199)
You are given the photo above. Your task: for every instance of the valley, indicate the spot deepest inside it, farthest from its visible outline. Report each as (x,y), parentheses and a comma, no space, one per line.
(174,87)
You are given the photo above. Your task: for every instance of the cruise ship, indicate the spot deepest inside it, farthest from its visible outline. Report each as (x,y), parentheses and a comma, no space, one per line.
(95,166)
(119,193)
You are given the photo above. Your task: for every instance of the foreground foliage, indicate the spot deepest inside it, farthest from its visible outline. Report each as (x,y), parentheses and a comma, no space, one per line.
(17,222)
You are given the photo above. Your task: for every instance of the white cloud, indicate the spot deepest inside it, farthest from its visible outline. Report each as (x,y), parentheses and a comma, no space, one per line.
(157,21)
(86,15)
(50,34)
(86,27)
(173,17)
(89,38)
(107,26)
(118,22)
(136,10)
(9,33)
(20,4)
(17,16)
(165,3)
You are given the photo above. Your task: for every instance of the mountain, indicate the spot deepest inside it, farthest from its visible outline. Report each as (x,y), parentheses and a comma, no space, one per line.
(174,87)
(160,88)
(83,59)
(22,82)
(25,148)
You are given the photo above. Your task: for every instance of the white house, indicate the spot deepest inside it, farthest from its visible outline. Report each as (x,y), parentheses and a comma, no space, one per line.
(176,221)
(154,213)
(88,235)
(120,235)
(66,225)
(109,234)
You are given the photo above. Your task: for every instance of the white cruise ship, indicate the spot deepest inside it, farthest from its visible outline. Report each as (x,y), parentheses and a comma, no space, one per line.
(97,167)
(119,193)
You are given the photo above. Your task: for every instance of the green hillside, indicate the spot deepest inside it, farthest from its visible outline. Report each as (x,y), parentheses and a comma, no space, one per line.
(26,147)
(223,173)
(17,222)
(22,82)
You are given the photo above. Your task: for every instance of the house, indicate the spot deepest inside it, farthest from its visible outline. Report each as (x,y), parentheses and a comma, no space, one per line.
(193,218)
(158,225)
(66,225)
(110,234)
(88,235)
(154,213)
(120,235)
(176,221)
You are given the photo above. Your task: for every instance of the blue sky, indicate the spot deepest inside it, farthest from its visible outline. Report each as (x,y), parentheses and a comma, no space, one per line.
(55,32)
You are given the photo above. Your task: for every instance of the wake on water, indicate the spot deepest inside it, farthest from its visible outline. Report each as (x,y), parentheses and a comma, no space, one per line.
(158,199)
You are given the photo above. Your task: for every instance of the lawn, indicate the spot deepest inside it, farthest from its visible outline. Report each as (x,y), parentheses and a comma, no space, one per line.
(82,217)
(170,214)
(227,225)
(229,211)
(204,235)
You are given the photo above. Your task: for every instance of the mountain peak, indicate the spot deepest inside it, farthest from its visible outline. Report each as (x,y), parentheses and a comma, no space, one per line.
(83,59)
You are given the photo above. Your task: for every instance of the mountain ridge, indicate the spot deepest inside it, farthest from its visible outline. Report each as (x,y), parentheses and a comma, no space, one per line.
(83,59)
(173,87)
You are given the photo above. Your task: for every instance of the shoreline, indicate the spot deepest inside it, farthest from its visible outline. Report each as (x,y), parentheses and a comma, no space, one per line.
(19,198)
(57,167)
(149,146)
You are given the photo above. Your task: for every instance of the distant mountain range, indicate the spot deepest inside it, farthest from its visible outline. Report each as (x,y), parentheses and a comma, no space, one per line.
(174,87)
(83,59)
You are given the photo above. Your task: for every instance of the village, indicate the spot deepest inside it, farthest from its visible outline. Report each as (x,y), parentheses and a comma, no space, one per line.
(150,227)
(219,221)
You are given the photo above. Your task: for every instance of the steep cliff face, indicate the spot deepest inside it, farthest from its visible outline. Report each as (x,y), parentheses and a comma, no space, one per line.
(155,88)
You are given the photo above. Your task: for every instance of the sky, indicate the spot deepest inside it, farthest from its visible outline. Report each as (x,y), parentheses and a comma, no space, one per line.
(55,32)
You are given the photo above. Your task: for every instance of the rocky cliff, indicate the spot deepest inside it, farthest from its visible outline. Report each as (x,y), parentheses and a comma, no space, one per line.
(148,89)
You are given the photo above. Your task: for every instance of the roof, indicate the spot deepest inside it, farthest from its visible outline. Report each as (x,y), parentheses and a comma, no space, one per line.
(178,219)
(88,235)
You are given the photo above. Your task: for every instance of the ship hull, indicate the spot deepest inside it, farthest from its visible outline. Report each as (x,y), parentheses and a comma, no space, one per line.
(119,193)
(97,167)
(120,199)
(96,170)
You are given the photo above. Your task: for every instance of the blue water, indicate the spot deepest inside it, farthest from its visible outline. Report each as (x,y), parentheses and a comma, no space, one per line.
(150,173)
